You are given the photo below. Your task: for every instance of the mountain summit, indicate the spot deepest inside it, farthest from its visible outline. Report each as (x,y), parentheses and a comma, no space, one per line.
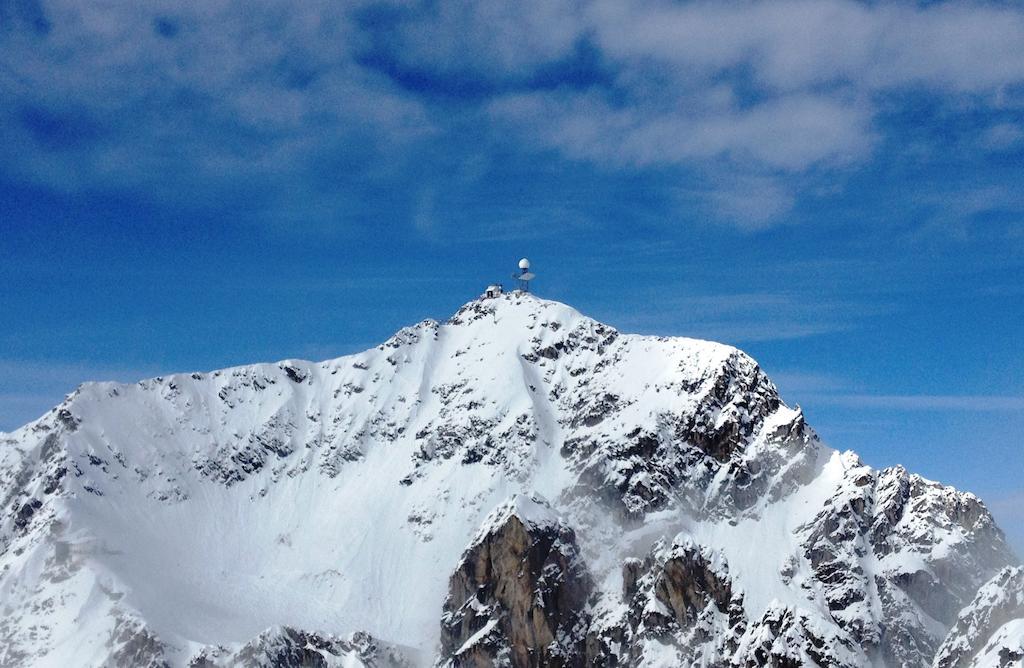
(520,485)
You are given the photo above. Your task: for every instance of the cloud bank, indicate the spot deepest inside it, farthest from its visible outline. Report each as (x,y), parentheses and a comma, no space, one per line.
(293,112)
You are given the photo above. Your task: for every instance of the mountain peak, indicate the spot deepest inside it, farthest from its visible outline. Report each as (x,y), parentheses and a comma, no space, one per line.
(516,307)
(198,510)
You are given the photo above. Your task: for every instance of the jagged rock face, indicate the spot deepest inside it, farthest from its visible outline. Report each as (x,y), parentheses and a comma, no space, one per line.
(519,594)
(989,631)
(132,644)
(680,597)
(788,638)
(928,546)
(292,648)
(684,608)
(679,456)
(688,583)
(183,516)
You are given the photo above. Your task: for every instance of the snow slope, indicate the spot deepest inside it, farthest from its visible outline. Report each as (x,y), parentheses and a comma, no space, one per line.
(196,511)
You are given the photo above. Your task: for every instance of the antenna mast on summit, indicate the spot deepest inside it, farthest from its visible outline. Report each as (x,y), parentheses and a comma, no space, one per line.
(524,275)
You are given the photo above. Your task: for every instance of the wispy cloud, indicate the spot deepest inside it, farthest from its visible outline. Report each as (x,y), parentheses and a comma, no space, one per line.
(833,390)
(301,116)
(751,202)
(765,86)
(796,44)
(828,389)
(213,102)
(16,408)
(807,382)
(925,402)
(791,132)
(748,317)
(1002,136)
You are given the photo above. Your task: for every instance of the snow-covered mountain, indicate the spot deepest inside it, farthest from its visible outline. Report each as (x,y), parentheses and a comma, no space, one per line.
(520,485)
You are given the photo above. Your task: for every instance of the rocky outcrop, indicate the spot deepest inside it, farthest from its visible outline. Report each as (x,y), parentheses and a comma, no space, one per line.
(680,600)
(682,607)
(929,547)
(717,452)
(518,597)
(989,631)
(285,647)
(786,637)
(132,644)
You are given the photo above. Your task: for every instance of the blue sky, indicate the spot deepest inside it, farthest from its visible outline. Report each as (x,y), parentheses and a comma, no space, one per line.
(835,186)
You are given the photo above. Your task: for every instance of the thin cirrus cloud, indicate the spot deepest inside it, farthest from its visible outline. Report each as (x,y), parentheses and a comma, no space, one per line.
(925,402)
(290,110)
(1003,136)
(751,202)
(751,317)
(832,390)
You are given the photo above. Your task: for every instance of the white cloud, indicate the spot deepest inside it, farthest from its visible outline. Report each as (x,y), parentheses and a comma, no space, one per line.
(796,44)
(792,133)
(790,45)
(262,102)
(238,100)
(811,72)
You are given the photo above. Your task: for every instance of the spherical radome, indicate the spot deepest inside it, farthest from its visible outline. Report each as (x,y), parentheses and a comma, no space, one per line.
(524,264)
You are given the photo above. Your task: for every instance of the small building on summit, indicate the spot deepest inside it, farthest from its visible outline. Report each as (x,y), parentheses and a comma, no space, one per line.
(522,277)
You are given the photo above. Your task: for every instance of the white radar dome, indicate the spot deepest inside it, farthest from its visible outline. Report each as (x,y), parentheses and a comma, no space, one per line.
(524,264)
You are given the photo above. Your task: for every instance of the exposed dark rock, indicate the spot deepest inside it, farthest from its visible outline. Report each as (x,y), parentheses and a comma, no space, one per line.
(679,596)
(25,513)
(295,374)
(519,594)
(689,582)
(69,421)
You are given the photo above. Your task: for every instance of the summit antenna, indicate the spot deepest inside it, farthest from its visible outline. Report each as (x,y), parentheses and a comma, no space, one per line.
(524,275)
